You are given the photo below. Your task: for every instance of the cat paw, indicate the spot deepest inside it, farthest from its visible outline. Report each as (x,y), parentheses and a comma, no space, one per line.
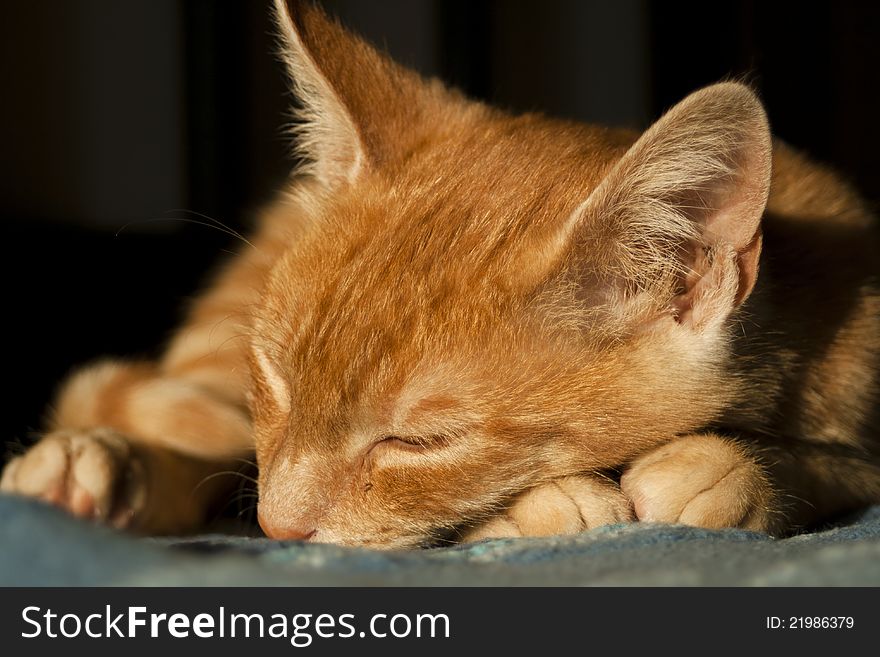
(564,506)
(702,481)
(90,473)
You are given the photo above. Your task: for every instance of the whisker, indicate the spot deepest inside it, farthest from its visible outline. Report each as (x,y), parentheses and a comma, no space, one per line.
(249,509)
(237,500)
(227,231)
(223,473)
(217,222)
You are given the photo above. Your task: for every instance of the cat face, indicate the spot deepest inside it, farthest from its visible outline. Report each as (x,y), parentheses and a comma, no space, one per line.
(401,381)
(393,404)
(477,303)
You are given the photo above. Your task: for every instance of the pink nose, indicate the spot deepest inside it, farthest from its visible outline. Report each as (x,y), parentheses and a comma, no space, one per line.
(284,533)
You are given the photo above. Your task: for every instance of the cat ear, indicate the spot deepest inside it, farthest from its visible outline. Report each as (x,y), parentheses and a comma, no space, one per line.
(677,219)
(359,109)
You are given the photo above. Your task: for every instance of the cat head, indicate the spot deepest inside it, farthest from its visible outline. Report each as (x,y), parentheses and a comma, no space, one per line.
(477,302)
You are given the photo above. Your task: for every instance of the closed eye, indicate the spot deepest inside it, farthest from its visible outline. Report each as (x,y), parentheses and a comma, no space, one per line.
(415,443)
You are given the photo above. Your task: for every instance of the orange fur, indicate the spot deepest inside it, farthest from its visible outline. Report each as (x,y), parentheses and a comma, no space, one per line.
(458,322)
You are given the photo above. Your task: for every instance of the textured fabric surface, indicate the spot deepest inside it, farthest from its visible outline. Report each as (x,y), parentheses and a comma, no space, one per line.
(43,547)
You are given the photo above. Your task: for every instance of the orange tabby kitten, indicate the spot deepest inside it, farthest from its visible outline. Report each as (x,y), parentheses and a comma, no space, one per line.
(458,320)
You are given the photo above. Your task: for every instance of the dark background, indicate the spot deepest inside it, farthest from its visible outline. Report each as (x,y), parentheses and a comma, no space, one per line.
(122,119)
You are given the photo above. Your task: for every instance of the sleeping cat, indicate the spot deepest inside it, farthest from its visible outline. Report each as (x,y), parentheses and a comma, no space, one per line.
(456,323)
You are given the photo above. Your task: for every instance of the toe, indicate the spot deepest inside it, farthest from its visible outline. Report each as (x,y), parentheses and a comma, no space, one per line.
(546,511)
(42,471)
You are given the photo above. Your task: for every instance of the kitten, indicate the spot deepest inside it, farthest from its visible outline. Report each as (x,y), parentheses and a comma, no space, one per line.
(458,322)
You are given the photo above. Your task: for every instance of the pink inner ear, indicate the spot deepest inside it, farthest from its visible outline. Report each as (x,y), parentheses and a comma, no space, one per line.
(726,210)
(682,304)
(735,222)
(711,289)
(723,265)
(733,215)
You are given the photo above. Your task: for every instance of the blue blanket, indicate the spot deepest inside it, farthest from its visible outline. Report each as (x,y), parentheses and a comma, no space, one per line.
(43,547)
